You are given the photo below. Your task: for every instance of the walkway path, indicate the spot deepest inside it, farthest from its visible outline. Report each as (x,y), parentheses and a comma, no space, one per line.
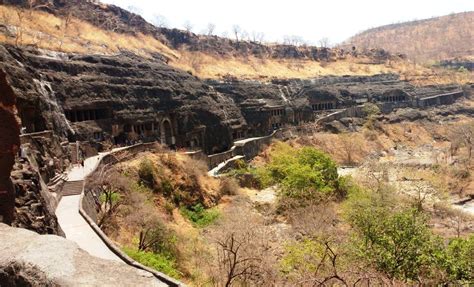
(72,223)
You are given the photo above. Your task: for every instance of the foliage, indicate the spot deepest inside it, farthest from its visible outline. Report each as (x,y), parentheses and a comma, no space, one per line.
(156,261)
(370,109)
(399,242)
(199,216)
(112,197)
(302,257)
(459,263)
(303,174)
(147,173)
(157,238)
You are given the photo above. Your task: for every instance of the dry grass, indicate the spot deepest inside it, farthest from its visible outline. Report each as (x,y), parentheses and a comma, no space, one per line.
(47,31)
(207,66)
(432,39)
(50,32)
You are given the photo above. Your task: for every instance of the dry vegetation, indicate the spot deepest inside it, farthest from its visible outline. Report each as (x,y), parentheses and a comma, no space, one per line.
(432,39)
(257,241)
(69,34)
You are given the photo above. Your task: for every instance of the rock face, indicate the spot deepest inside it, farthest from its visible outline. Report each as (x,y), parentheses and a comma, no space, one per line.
(29,259)
(9,144)
(31,208)
(118,98)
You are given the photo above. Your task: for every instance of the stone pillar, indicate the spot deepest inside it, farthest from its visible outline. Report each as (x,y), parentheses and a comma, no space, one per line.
(9,145)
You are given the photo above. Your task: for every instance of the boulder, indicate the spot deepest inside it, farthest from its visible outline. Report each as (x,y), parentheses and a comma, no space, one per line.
(30,259)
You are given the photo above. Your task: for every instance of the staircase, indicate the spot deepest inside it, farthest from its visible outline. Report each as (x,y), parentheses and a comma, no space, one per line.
(73,187)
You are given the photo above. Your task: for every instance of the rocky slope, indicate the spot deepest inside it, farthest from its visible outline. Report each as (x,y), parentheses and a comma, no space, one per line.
(430,39)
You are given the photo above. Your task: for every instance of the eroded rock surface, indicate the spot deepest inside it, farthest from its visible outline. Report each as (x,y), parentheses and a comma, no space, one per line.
(9,144)
(29,259)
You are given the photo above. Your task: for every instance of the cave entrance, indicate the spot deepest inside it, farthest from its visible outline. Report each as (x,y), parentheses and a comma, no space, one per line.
(166,133)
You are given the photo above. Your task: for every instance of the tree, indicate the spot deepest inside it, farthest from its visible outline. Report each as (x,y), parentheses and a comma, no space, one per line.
(188,26)
(234,262)
(315,261)
(324,42)
(294,40)
(257,36)
(463,136)
(236,30)
(351,145)
(109,189)
(210,29)
(159,21)
(399,244)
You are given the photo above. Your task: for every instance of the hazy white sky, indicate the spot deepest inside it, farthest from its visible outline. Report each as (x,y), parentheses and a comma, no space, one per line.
(310,19)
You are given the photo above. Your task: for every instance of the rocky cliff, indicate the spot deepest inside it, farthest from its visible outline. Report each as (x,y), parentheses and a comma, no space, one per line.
(9,145)
(124,90)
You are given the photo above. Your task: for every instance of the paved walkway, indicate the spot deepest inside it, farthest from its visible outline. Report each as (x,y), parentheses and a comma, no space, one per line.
(73,224)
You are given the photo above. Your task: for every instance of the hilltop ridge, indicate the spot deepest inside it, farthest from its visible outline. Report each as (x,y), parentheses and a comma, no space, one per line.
(435,39)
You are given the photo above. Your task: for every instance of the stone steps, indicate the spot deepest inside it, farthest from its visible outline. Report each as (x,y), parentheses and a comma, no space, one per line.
(73,187)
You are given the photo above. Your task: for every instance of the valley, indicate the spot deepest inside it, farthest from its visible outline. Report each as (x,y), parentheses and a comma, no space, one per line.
(141,155)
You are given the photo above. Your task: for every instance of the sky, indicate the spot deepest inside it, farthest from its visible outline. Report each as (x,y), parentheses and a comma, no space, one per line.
(312,20)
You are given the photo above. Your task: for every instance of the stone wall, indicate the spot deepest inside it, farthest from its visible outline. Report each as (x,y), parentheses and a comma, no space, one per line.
(215,159)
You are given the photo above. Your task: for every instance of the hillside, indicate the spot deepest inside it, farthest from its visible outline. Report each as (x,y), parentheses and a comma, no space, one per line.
(92,28)
(435,39)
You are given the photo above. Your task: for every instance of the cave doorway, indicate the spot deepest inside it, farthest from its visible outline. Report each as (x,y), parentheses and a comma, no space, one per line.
(166,133)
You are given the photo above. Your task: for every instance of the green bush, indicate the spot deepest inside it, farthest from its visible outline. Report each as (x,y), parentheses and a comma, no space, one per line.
(156,261)
(199,216)
(301,258)
(146,173)
(400,243)
(303,174)
(459,262)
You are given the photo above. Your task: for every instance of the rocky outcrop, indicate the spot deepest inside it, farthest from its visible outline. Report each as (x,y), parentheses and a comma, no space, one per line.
(9,144)
(29,259)
(123,93)
(32,210)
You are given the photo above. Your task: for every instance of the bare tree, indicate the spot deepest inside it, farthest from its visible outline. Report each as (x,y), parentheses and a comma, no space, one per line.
(108,186)
(65,26)
(159,21)
(210,29)
(257,36)
(324,42)
(236,30)
(293,40)
(235,263)
(351,146)
(188,26)
(21,14)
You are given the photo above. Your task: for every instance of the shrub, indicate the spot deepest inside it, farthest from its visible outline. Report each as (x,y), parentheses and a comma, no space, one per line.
(400,245)
(459,263)
(199,216)
(147,173)
(229,186)
(303,174)
(156,261)
(399,242)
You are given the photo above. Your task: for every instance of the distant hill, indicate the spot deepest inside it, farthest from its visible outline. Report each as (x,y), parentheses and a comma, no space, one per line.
(438,38)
